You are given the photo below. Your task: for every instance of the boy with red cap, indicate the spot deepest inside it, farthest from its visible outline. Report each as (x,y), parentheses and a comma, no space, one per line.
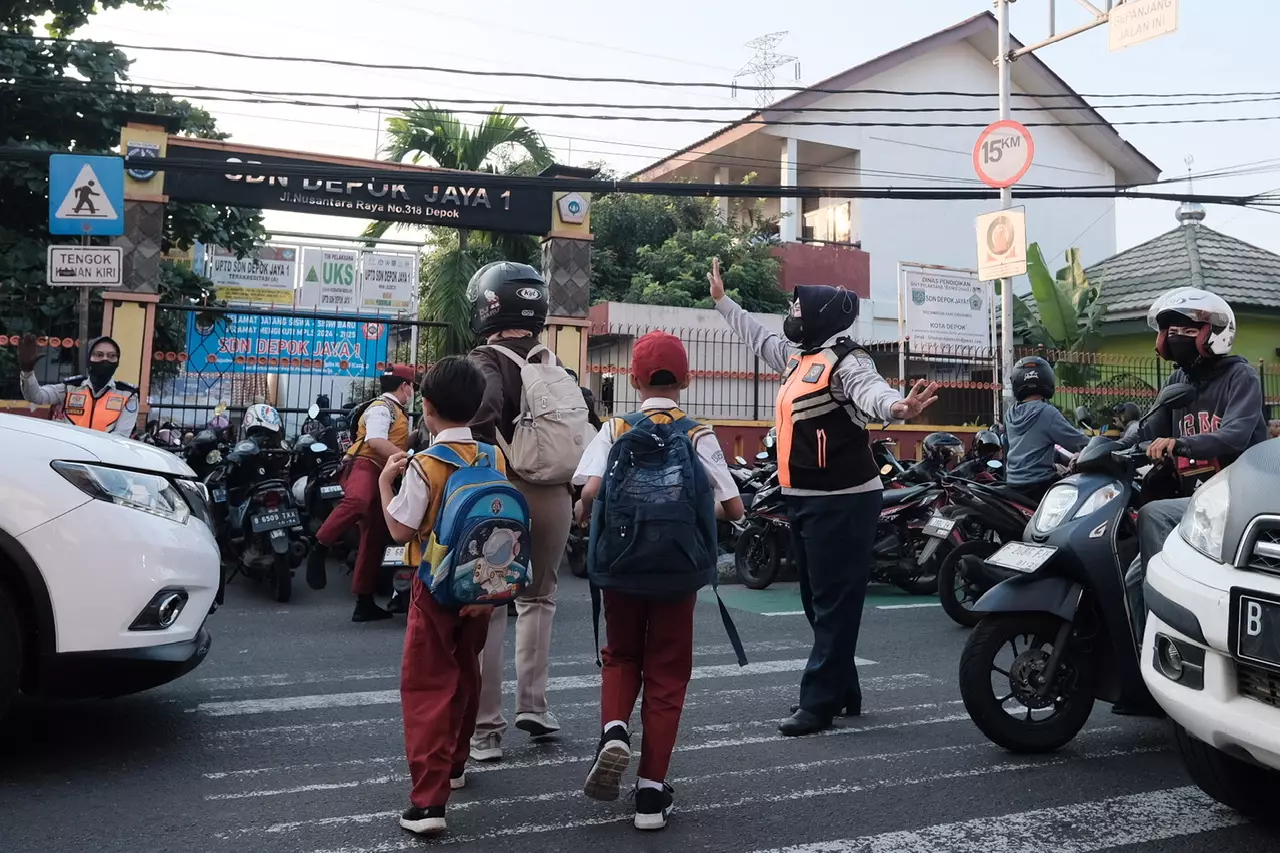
(382,432)
(649,640)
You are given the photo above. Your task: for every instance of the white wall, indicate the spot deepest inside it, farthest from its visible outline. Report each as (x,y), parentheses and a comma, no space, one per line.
(942,232)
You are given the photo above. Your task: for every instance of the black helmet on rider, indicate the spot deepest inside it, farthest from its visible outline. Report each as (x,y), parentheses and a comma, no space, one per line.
(819,312)
(505,295)
(987,445)
(943,449)
(1127,412)
(1033,376)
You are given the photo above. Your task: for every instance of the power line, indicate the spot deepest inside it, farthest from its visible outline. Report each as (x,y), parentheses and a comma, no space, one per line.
(344,63)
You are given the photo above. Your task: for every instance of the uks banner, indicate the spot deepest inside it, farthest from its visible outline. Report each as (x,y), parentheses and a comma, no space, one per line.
(264,343)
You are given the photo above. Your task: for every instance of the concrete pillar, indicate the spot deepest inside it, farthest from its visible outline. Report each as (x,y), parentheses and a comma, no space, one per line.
(722,203)
(789,227)
(566,267)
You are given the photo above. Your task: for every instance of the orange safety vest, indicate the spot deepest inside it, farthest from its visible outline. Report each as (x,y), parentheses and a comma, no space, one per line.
(81,408)
(436,474)
(398,434)
(822,442)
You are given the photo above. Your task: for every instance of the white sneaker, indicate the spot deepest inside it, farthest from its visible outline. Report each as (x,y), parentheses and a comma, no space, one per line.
(537,725)
(486,748)
(457,783)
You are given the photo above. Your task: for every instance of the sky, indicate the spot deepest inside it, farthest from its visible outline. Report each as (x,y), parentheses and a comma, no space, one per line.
(1218,47)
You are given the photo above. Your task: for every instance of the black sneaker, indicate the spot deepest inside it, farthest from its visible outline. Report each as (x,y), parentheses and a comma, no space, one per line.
(368,611)
(428,821)
(317,574)
(653,807)
(612,758)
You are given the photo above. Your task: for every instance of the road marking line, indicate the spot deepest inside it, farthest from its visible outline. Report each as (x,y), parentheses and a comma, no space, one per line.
(785,613)
(1080,828)
(571,759)
(1103,821)
(908,606)
(392,697)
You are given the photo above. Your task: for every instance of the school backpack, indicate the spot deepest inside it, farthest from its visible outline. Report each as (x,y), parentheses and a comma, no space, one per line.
(552,430)
(653,525)
(479,549)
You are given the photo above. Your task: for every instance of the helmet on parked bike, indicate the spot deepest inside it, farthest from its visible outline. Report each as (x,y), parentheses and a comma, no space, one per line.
(504,295)
(943,449)
(1033,375)
(986,444)
(1127,412)
(1195,307)
(261,421)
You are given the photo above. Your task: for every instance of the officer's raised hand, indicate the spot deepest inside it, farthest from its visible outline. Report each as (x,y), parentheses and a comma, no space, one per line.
(922,396)
(717,283)
(28,353)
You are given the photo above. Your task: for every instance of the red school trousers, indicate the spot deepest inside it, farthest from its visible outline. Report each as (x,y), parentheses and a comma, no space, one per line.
(649,644)
(439,693)
(361,503)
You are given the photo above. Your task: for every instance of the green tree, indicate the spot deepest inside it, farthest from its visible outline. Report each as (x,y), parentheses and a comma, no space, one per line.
(502,144)
(68,94)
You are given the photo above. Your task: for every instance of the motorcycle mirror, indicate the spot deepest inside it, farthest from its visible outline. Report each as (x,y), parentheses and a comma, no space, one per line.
(1082,413)
(313,412)
(214,457)
(1176,396)
(318,447)
(886,470)
(995,464)
(739,460)
(762,456)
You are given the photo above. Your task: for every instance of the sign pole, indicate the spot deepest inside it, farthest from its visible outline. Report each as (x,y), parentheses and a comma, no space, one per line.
(902,352)
(1006,201)
(83,332)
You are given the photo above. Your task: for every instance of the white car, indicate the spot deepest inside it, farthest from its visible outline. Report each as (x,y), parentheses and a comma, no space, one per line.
(1211,648)
(108,565)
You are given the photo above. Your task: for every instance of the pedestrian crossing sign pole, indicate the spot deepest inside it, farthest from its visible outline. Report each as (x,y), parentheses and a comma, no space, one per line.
(86,195)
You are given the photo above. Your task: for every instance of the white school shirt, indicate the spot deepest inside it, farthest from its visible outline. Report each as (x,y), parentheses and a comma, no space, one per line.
(596,458)
(410,505)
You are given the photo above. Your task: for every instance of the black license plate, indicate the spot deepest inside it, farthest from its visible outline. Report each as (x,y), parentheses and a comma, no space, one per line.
(335,491)
(1255,627)
(276,520)
(219,496)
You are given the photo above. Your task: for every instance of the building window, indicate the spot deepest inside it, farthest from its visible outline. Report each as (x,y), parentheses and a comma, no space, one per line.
(830,224)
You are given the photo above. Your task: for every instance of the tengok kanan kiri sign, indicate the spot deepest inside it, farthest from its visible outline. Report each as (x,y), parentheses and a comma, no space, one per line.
(314,186)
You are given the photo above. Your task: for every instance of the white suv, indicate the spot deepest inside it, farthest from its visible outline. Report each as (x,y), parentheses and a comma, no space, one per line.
(108,566)
(1211,649)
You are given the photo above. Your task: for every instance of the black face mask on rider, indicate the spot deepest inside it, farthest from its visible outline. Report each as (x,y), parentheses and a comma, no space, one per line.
(1183,350)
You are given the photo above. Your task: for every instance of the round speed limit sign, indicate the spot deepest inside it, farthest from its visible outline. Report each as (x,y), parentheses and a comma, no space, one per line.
(1003,154)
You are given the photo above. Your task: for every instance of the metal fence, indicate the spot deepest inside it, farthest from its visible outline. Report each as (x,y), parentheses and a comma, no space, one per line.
(730,383)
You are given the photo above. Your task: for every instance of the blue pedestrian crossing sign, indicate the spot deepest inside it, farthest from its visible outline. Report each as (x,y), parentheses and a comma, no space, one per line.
(86,195)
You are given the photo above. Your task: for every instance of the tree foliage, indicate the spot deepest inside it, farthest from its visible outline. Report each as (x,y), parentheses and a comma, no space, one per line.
(68,96)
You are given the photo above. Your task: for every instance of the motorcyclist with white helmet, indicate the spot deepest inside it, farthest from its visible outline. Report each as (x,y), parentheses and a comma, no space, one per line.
(1195,330)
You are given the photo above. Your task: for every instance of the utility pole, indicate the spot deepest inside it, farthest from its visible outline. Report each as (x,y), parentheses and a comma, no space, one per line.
(1003,63)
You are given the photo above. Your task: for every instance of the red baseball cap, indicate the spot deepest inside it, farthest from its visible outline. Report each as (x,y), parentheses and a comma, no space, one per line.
(402,371)
(658,351)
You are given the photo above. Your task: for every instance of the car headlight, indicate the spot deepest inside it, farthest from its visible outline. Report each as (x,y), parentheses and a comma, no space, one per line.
(1055,506)
(149,493)
(1205,521)
(1098,500)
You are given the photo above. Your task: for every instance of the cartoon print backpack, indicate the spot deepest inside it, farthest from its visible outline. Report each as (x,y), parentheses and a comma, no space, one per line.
(479,548)
(653,527)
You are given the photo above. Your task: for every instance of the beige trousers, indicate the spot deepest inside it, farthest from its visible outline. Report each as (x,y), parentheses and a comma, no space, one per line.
(550,511)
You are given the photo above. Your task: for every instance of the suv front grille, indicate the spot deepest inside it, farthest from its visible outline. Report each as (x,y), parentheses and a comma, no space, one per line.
(1264,556)
(1258,684)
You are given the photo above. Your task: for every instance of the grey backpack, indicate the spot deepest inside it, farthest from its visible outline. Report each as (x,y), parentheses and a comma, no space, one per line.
(552,430)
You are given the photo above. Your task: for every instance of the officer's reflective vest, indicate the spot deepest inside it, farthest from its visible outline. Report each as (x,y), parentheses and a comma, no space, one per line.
(81,408)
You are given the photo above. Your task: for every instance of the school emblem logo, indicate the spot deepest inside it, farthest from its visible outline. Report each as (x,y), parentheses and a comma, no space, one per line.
(917,297)
(975,300)
(139,150)
(496,506)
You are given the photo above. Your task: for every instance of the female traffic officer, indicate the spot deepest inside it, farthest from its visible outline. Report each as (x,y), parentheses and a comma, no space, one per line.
(830,392)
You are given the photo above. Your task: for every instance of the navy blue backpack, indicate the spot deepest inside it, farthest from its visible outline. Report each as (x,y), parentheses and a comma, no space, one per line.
(653,525)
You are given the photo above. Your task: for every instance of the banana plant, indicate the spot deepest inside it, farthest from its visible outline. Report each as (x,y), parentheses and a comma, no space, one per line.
(1069,309)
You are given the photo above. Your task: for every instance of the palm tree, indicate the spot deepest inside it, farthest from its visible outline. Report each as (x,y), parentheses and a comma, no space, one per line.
(502,144)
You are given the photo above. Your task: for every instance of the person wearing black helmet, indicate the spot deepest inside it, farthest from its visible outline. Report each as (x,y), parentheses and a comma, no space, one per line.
(1034,426)
(986,447)
(940,451)
(508,311)
(95,400)
(1127,416)
(830,393)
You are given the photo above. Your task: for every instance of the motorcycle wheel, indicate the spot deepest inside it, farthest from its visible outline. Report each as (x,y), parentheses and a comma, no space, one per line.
(922,582)
(756,558)
(281,578)
(957,592)
(988,687)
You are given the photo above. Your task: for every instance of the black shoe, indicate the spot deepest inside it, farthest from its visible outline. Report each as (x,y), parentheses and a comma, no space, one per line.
(367,611)
(653,807)
(317,574)
(428,821)
(803,723)
(852,708)
(399,603)
(612,757)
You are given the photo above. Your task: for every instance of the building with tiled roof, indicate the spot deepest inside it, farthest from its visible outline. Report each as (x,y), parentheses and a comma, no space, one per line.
(1190,255)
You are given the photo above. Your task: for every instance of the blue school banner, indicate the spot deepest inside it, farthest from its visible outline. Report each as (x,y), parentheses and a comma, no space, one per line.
(265,343)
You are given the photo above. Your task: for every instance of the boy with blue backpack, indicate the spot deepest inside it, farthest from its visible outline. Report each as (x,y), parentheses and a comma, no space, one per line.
(467,529)
(654,483)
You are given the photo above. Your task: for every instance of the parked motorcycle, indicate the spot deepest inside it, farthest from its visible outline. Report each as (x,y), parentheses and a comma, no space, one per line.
(762,534)
(1065,616)
(315,471)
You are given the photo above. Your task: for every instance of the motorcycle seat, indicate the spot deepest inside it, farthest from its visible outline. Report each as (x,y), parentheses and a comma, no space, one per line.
(893,497)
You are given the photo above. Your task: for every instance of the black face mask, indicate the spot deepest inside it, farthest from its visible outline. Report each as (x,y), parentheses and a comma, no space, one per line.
(793,329)
(1183,349)
(100,373)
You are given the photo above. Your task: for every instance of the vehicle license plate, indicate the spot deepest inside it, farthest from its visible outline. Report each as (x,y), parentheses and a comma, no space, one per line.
(1255,627)
(393,555)
(1021,557)
(939,527)
(277,520)
(332,491)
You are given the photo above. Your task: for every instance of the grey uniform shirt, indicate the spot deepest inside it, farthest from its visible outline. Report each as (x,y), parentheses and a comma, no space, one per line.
(56,394)
(855,381)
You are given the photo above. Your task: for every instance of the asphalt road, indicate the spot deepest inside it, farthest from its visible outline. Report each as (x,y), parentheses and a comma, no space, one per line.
(288,739)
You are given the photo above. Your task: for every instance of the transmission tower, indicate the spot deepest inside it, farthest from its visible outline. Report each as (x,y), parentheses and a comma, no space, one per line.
(763,64)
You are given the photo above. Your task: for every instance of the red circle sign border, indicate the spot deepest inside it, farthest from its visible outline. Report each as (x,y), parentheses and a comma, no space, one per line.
(982,137)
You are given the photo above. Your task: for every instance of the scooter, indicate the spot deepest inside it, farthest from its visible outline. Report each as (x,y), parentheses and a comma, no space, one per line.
(762,535)
(1065,616)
